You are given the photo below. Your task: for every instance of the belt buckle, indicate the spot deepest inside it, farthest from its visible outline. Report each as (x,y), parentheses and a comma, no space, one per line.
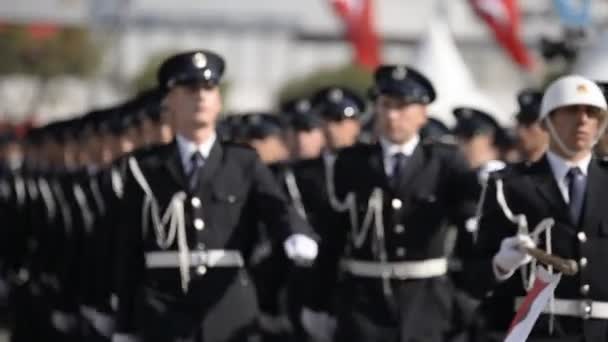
(203,258)
(587,309)
(398,273)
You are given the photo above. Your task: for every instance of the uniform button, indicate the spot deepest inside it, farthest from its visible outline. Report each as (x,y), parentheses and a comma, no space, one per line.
(396,203)
(586,311)
(582,237)
(399,229)
(400,252)
(585,289)
(201,270)
(196,202)
(200,245)
(199,224)
(583,262)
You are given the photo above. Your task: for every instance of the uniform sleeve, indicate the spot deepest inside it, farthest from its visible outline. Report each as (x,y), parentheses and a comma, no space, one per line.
(272,206)
(129,261)
(326,267)
(492,229)
(464,188)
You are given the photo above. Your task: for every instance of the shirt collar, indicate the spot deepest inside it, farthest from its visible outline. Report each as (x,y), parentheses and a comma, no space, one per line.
(561,166)
(390,149)
(188,147)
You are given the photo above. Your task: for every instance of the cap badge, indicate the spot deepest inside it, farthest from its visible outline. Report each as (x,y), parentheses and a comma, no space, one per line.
(336,95)
(303,106)
(581,88)
(399,73)
(199,60)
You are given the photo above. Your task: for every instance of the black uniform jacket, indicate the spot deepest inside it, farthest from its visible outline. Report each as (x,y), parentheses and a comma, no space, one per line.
(530,189)
(234,192)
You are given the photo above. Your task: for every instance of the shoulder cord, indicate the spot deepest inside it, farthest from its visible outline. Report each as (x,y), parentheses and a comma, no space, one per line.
(32,189)
(20,190)
(47,197)
(294,193)
(545,226)
(65,209)
(117,184)
(376,207)
(350,200)
(85,209)
(99,202)
(472,224)
(337,205)
(173,217)
(374,213)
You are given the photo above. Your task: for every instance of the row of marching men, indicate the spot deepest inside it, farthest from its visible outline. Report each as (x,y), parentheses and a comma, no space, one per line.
(62,188)
(151,221)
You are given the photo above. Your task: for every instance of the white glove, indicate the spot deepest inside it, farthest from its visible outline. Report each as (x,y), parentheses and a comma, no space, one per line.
(124,338)
(511,255)
(301,249)
(62,321)
(319,325)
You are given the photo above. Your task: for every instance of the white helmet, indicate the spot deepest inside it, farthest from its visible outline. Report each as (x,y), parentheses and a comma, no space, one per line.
(571,90)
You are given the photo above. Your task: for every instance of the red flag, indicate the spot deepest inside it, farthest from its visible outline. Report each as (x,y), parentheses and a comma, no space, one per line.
(533,305)
(358,18)
(42,31)
(503,17)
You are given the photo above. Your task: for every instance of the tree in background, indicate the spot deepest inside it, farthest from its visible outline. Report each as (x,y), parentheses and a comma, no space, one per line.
(351,76)
(44,51)
(47,51)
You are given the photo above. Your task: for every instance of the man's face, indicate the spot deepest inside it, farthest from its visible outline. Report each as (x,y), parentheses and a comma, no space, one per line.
(577,126)
(194,106)
(342,133)
(309,144)
(271,149)
(478,149)
(398,120)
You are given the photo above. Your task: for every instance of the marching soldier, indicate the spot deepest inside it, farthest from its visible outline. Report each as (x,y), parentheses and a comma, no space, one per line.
(189,215)
(562,192)
(341,110)
(532,138)
(479,136)
(153,126)
(305,135)
(389,245)
(265,133)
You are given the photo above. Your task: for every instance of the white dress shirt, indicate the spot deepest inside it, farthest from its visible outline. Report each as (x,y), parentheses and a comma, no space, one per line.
(188,147)
(560,168)
(389,150)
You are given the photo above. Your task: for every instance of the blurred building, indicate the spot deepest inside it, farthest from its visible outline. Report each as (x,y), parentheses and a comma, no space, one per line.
(267,42)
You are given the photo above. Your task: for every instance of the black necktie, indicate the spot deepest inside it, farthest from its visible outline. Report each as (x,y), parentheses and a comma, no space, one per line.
(399,160)
(196,163)
(576,193)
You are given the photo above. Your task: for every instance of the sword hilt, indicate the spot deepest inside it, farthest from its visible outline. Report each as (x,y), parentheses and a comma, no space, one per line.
(566,266)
